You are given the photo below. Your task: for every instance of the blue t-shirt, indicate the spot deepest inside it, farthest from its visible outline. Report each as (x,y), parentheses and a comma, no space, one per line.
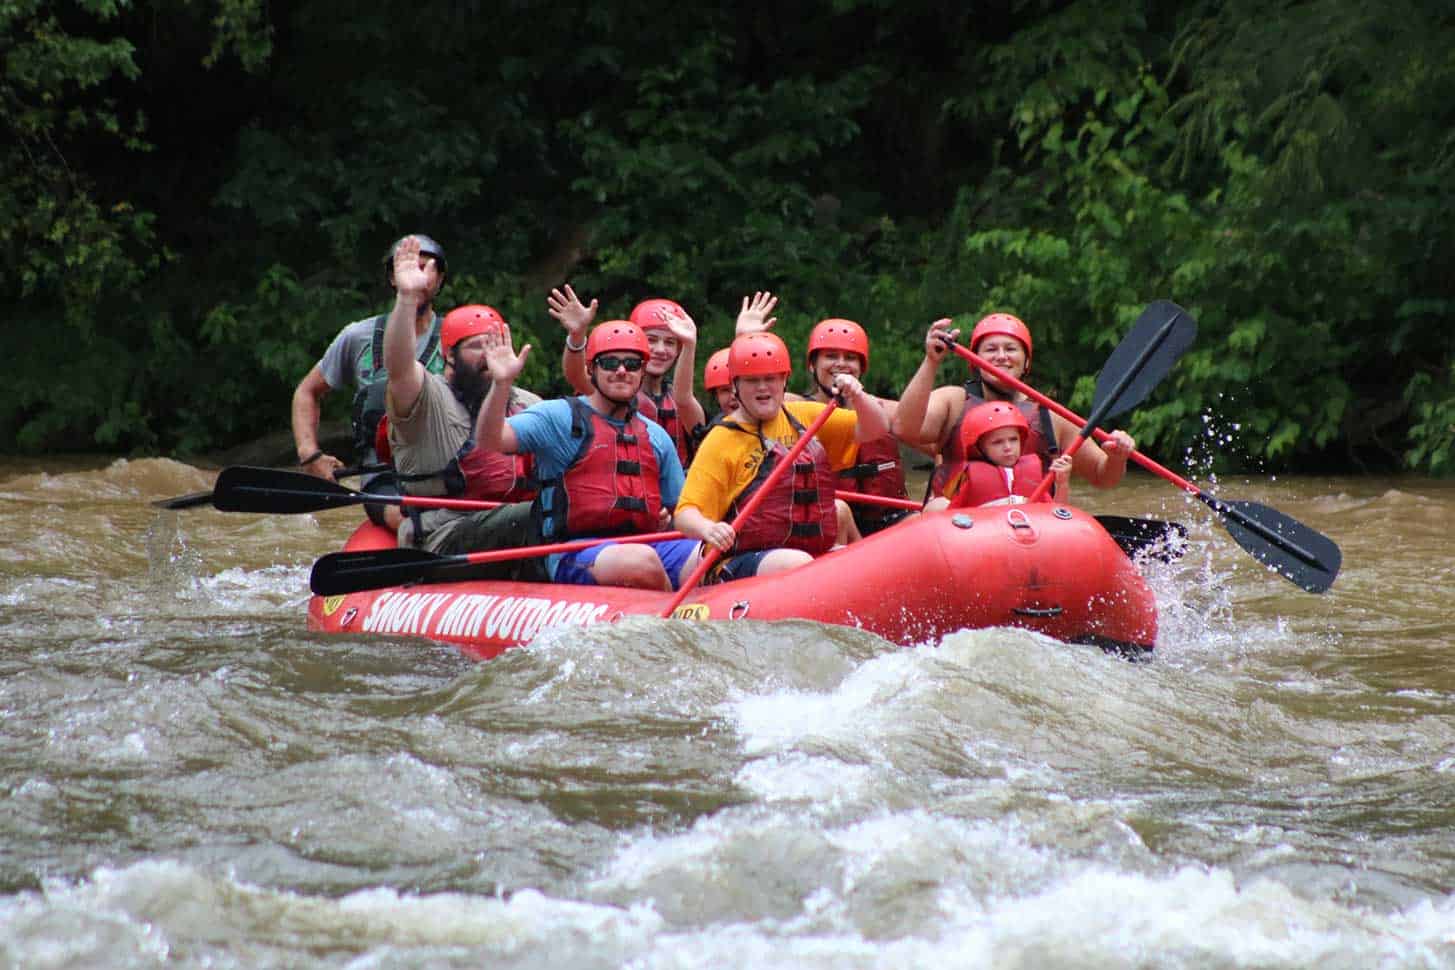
(544,430)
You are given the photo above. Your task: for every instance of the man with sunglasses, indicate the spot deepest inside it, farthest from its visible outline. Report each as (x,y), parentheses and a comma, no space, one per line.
(604,469)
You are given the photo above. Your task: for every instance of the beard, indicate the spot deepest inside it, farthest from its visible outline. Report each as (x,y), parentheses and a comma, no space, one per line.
(470,387)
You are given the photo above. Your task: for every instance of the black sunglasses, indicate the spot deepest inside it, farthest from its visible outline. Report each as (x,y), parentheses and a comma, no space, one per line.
(610,362)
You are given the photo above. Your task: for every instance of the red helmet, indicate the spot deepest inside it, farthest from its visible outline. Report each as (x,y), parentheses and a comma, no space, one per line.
(1005,325)
(757,354)
(716,374)
(649,314)
(985,418)
(617,335)
(464,322)
(835,334)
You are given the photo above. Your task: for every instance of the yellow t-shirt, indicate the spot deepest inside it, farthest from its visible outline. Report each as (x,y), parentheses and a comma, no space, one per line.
(728,460)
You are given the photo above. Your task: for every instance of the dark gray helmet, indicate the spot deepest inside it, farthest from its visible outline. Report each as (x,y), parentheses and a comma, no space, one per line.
(426,245)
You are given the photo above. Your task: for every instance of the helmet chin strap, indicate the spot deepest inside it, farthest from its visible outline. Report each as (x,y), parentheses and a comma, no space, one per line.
(1001,394)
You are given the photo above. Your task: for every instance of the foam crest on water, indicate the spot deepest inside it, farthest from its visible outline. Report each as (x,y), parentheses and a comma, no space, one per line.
(150,910)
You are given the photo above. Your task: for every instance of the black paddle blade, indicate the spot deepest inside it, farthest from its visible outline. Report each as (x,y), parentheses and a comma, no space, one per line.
(1172,330)
(244,488)
(1308,559)
(349,572)
(1165,541)
(188,501)
(194,499)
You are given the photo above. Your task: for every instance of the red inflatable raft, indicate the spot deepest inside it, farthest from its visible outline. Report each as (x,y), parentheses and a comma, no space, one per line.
(1043,567)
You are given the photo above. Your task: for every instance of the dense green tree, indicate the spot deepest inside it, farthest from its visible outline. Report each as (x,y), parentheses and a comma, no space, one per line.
(197,196)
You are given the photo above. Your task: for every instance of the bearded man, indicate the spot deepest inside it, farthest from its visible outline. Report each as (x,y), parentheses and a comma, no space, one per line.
(432,431)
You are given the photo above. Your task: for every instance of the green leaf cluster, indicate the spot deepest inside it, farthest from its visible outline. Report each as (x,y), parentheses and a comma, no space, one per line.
(196,196)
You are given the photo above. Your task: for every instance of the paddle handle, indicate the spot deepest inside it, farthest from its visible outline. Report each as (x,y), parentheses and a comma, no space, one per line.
(713,553)
(353,470)
(1044,487)
(573,545)
(888,501)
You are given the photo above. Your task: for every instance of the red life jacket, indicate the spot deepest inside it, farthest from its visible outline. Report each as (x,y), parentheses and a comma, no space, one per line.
(612,485)
(984,482)
(663,410)
(492,475)
(1041,441)
(473,472)
(878,471)
(799,512)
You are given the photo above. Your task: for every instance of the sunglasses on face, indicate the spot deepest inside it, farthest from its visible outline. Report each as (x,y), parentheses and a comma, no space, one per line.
(610,362)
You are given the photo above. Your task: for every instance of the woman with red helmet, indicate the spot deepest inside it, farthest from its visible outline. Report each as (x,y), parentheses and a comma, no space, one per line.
(666,395)
(933,417)
(800,517)
(837,346)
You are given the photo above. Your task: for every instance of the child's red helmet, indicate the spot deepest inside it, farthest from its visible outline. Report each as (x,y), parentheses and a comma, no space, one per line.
(991,416)
(716,375)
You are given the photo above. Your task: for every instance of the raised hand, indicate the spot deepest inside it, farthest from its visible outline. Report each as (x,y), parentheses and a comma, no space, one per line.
(681,326)
(570,311)
(753,317)
(410,276)
(503,363)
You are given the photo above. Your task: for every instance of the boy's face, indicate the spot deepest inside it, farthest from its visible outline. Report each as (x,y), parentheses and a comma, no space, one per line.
(761,395)
(1001,446)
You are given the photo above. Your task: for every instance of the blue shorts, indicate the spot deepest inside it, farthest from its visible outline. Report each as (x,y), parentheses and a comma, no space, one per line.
(575,567)
(741,566)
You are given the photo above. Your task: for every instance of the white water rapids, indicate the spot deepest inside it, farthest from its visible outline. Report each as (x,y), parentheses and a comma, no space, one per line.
(192,779)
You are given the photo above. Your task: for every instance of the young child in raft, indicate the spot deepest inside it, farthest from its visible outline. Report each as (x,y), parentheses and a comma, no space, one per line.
(996,473)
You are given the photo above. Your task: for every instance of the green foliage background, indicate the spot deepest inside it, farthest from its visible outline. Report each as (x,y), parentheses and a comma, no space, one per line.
(195,196)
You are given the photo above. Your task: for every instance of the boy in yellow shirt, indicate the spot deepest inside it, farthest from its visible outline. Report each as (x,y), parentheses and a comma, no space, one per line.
(799,518)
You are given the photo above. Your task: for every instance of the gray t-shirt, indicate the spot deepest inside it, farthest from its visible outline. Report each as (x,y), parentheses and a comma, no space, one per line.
(425,439)
(352,353)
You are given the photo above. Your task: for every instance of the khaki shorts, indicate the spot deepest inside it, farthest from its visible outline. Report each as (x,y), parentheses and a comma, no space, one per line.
(508,527)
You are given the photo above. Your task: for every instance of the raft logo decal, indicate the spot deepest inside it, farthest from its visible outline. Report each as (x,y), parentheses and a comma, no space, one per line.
(476,616)
(331,604)
(692,611)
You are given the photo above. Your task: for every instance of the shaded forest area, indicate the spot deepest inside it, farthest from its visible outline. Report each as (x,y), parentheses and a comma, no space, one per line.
(197,196)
